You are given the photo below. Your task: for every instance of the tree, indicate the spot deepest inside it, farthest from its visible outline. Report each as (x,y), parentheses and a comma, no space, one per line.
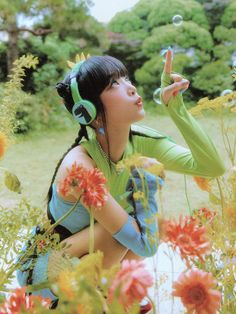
(214,10)
(44,16)
(197,42)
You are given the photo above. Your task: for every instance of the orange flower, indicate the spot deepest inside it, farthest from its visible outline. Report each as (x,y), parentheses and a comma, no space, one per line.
(19,302)
(3,144)
(66,284)
(197,293)
(94,190)
(130,283)
(202,183)
(230,214)
(87,183)
(187,236)
(204,214)
(71,182)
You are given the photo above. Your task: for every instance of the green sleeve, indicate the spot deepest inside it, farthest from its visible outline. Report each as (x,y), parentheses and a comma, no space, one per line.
(200,159)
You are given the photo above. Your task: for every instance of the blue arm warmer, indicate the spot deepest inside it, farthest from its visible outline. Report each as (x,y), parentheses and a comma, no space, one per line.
(145,242)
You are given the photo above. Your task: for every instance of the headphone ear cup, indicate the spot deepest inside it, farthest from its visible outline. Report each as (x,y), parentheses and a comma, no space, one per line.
(84,111)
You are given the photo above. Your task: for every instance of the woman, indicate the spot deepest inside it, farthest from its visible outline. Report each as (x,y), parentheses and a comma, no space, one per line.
(121,231)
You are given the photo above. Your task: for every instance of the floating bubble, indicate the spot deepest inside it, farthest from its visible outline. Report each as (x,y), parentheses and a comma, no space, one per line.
(163,53)
(103,280)
(177,20)
(157,96)
(226,92)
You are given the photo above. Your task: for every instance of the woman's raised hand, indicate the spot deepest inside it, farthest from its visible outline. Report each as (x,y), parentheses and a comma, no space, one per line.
(170,89)
(147,162)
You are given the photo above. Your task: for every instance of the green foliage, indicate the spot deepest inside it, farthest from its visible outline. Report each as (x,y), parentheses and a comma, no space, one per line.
(143,8)
(213,77)
(187,35)
(228,18)
(214,11)
(196,42)
(125,22)
(15,226)
(11,93)
(224,52)
(222,33)
(163,11)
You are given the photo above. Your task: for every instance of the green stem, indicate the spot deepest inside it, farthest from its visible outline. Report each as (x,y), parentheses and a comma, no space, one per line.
(231,156)
(31,249)
(234,150)
(91,233)
(221,196)
(186,194)
(223,135)
(153,305)
(104,303)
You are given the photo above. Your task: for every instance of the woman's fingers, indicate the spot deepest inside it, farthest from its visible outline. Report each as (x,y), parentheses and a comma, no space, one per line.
(180,84)
(176,77)
(147,162)
(173,89)
(168,62)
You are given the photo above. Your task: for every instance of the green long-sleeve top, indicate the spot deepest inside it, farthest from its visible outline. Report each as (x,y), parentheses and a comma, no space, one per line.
(200,158)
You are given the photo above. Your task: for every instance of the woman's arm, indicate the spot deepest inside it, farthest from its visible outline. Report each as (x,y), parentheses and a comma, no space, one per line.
(111,216)
(201,158)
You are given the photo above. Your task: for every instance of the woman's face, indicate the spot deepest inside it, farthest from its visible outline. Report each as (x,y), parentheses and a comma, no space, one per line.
(121,102)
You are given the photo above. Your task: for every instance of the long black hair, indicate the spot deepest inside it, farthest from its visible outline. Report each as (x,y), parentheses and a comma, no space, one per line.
(94,75)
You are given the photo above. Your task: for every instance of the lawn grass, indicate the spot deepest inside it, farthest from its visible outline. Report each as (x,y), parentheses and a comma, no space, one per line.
(34,158)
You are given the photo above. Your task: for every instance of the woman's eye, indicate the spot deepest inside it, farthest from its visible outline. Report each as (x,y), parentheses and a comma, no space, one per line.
(128,79)
(114,82)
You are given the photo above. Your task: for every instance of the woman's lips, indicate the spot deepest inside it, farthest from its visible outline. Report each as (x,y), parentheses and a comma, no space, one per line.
(139,102)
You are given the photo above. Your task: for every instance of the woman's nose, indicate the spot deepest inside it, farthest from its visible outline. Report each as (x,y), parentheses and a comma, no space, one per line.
(132,89)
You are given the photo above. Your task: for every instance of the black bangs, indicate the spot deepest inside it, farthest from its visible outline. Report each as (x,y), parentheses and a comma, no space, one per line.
(96,74)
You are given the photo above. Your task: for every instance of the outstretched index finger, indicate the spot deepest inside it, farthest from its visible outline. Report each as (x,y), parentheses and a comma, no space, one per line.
(168,62)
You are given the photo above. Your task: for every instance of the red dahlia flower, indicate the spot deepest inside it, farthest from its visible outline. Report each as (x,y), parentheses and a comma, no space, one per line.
(188,236)
(89,184)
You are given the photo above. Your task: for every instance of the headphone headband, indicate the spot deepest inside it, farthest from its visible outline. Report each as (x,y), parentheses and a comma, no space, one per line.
(83,110)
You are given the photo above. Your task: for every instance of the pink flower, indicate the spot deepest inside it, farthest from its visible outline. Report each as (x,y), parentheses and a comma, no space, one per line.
(195,288)
(130,283)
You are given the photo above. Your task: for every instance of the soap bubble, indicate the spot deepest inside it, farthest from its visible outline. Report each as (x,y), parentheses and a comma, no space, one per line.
(156,96)
(177,20)
(163,53)
(226,92)
(231,102)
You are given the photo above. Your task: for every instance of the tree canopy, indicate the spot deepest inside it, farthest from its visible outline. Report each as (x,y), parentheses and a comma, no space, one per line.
(203,42)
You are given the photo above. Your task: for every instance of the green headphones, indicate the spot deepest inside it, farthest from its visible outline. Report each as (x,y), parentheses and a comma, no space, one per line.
(83,110)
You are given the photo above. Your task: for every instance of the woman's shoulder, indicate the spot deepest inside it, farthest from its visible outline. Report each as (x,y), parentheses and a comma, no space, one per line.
(79,155)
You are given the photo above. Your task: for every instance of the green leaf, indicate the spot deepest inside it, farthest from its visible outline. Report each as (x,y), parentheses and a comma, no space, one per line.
(12,182)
